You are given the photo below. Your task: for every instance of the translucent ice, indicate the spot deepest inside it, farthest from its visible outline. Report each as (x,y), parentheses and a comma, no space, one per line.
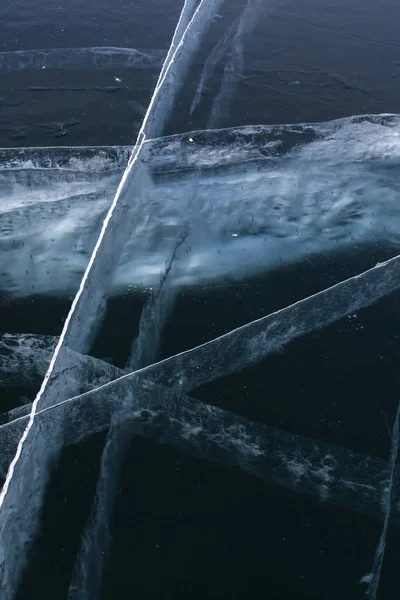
(285,192)
(96,538)
(373,578)
(298,190)
(24,477)
(101,57)
(168,416)
(332,473)
(254,341)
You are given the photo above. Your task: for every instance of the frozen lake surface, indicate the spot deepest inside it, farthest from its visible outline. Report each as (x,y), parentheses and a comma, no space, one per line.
(199,248)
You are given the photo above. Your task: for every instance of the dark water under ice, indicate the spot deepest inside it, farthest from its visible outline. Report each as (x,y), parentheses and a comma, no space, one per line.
(307,61)
(183,526)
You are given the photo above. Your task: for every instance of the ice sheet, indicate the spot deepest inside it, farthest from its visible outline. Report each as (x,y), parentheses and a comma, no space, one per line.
(101,57)
(168,416)
(25,358)
(254,341)
(185,372)
(253,12)
(52,203)
(373,579)
(23,478)
(299,191)
(250,343)
(96,538)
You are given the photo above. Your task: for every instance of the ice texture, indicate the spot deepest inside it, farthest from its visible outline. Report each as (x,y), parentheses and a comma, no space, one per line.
(52,206)
(254,341)
(332,473)
(102,57)
(166,415)
(251,342)
(25,358)
(235,62)
(251,199)
(27,474)
(96,538)
(191,208)
(374,577)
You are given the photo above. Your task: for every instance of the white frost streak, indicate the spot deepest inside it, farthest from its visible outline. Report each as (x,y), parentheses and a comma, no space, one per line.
(135,153)
(98,57)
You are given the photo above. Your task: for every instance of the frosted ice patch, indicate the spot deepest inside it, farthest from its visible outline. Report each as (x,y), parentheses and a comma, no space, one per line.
(251,199)
(96,57)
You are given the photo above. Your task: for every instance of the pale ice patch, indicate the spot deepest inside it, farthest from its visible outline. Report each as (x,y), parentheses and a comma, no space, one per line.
(51,208)
(251,198)
(68,158)
(96,57)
